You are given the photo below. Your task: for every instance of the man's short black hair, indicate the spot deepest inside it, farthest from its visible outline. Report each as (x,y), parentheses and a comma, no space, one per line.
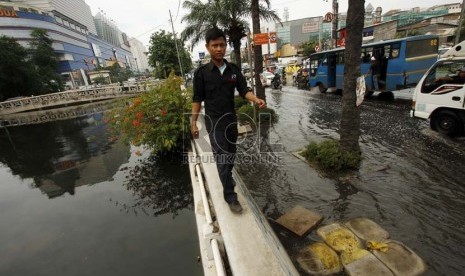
(213,34)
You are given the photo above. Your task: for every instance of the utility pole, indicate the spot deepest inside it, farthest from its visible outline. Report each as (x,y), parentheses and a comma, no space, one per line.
(268,54)
(249,57)
(177,49)
(334,23)
(459,27)
(252,69)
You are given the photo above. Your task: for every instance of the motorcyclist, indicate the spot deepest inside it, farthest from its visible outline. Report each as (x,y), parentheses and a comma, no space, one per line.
(276,81)
(302,78)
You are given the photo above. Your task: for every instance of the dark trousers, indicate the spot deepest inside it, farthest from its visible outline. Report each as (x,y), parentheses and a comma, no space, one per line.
(224,150)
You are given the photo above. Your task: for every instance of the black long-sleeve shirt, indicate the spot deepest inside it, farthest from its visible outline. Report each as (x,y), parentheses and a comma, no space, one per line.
(217,91)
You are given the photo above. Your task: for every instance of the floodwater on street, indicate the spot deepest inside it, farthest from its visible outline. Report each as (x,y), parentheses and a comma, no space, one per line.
(74,200)
(411,180)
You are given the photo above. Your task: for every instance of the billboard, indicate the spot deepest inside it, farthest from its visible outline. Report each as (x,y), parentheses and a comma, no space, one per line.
(310,27)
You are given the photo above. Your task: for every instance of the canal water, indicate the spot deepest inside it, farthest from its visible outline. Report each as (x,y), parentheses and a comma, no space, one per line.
(411,180)
(74,200)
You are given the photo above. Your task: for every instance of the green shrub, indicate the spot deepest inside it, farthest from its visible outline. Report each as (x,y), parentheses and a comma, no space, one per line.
(327,157)
(239,102)
(246,114)
(156,119)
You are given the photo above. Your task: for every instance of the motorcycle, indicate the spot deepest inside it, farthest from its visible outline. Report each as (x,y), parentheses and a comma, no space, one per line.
(302,79)
(276,82)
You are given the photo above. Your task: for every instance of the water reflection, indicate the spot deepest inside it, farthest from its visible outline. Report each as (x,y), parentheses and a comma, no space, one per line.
(86,171)
(63,155)
(161,186)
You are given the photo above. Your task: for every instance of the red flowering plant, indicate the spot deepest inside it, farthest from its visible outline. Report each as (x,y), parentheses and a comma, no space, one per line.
(156,119)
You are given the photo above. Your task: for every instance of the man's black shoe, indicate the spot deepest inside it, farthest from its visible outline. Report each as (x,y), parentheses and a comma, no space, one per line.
(235,207)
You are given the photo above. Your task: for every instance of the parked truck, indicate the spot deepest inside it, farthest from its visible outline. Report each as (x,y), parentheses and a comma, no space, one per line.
(439,96)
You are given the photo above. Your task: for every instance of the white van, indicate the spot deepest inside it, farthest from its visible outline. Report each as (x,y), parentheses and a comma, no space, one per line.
(439,96)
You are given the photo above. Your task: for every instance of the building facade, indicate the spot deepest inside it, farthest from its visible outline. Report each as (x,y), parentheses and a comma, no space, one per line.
(71,45)
(78,49)
(76,10)
(107,29)
(414,15)
(451,8)
(139,52)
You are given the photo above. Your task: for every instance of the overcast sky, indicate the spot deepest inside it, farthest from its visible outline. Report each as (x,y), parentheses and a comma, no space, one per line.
(139,18)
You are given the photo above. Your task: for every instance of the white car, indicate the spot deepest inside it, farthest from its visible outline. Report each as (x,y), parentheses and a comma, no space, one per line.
(442,51)
(266,78)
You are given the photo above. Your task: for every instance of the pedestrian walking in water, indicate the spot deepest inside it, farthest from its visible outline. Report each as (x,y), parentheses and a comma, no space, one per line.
(214,84)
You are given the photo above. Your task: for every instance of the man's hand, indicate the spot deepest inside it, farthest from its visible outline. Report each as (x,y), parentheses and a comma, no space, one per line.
(194,130)
(261,103)
(251,97)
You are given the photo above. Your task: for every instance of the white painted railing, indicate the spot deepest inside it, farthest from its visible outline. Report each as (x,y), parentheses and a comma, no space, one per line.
(56,114)
(210,238)
(72,97)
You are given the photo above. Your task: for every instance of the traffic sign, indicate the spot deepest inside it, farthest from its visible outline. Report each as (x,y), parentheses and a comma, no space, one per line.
(329,17)
(260,39)
(273,37)
(317,48)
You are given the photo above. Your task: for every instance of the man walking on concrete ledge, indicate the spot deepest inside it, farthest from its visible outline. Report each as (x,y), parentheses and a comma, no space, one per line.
(214,83)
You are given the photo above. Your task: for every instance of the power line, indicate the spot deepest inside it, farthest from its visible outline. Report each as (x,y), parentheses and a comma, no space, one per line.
(177,13)
(177,49)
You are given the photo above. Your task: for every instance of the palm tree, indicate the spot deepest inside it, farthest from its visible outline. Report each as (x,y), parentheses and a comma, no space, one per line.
(350,121)
(229,15)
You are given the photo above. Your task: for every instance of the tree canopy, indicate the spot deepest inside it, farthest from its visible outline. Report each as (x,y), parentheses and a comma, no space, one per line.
(308,47)
(15,70)
(28,71)
(45,62)
(118,73)
(231,16)
(163,56)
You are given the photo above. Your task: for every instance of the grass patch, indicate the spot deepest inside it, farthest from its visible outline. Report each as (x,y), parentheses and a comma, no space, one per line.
(246,114)
(327,157)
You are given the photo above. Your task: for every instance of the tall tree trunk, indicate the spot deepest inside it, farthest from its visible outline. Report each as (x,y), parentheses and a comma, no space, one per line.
(350,121)
(237,53)
(258,58)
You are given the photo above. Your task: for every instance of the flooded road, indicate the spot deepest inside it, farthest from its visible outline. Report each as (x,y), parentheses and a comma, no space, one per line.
(76,201)
(411,180)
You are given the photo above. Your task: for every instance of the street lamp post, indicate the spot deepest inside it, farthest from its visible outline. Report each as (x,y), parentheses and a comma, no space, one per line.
(137,67)
(114,53)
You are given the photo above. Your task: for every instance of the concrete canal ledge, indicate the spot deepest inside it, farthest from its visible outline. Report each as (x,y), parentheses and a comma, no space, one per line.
(231,244)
